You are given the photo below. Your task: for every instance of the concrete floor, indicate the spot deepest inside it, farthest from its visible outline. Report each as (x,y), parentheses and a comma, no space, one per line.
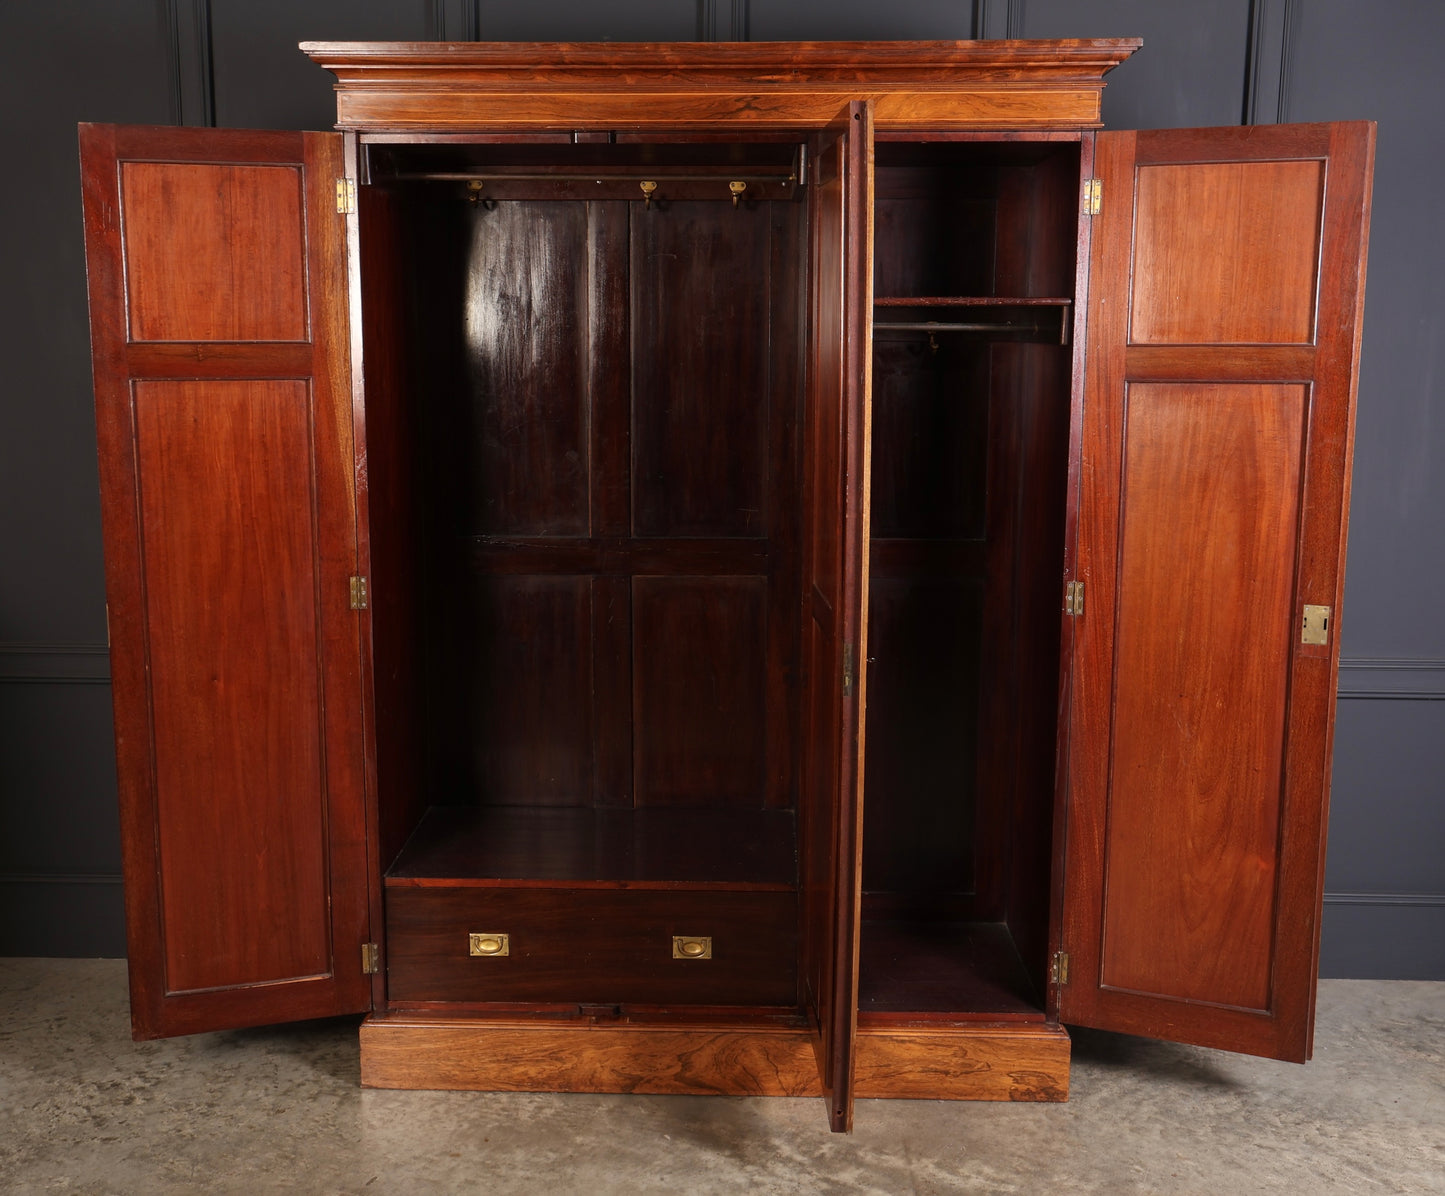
(84,1109)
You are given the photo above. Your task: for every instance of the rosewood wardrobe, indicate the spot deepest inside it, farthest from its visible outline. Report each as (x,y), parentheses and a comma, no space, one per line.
(761,568)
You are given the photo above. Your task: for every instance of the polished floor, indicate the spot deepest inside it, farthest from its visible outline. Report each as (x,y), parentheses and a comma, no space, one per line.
(84,1109)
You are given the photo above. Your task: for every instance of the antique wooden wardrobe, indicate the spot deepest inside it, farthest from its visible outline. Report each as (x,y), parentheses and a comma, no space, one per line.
(524,507)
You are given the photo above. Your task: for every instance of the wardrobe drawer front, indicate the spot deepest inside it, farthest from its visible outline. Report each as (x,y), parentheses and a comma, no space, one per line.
(590,946)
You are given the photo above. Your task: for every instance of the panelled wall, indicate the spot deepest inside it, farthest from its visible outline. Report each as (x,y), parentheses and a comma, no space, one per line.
(235,63)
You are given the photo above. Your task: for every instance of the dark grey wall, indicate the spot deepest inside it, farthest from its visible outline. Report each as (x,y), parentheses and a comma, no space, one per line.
(234,62)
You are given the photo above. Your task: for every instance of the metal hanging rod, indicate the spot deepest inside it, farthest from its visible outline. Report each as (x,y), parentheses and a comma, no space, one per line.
(934,327)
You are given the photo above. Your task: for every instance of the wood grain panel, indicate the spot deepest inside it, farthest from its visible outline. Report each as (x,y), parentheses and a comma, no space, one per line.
(526,321)
(527,669)
(698,665)
(1016,1062)
(226,504)
(451,108)
(1013,1062)
(700,395)
(723,1058)
(1211,500)
(214,253)
(1263,289)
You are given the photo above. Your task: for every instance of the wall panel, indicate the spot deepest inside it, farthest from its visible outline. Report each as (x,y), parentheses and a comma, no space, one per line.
(59,846)
(822,20)
(577,20)
(1385,878)
(262,81)
(1190,72)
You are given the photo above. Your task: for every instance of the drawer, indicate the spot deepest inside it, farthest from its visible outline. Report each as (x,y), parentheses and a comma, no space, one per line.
(590,945)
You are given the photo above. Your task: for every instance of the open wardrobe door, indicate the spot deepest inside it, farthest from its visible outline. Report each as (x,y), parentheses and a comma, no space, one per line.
(835,599)
(218,300)
(1226,282)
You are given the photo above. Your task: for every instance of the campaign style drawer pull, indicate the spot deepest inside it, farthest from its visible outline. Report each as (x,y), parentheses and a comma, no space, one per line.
(490,944)
(691,946)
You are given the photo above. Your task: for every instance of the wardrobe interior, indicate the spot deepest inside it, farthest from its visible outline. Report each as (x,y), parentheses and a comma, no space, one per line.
(585,364)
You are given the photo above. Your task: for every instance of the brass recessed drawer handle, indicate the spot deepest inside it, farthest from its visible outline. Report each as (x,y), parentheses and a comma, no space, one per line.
(490,944)
(691,946)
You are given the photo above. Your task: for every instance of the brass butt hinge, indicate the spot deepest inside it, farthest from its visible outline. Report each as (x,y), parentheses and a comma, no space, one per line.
(358,593)
(1074,598)
(847,669)
(1059,968)
(370,959)
(1093,196)
(345,196)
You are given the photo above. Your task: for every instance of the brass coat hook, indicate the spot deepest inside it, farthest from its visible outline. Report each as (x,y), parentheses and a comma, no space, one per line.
(648,187)
(737,188)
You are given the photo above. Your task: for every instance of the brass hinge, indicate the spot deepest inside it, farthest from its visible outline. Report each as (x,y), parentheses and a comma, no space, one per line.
(847,669)
(1074,598)
(1093,196)
(345,196)
(1316,629)
(370,959)
(358,593)
(1059,968)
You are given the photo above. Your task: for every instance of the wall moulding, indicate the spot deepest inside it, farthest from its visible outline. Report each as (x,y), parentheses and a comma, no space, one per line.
(79,663)
(1398,678)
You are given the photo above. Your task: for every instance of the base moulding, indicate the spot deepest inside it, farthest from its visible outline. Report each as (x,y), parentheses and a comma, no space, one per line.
(990,1061)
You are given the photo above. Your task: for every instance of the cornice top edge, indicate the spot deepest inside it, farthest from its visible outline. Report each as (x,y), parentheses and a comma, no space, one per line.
(1101,54)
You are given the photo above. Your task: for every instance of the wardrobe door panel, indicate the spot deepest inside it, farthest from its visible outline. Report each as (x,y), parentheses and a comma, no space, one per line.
(223,403)
(183,282)
(1223,333)
(230,666)
(835,594)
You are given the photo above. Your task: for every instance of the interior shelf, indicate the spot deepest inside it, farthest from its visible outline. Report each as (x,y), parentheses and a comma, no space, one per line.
(658,847)
(957,968)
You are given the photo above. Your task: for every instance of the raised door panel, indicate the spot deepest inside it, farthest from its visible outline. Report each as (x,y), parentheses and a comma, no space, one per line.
(835,595)
(186,283)
(218,307)
(1226,283)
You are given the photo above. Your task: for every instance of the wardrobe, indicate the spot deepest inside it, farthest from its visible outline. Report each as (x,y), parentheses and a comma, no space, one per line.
(726,568)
